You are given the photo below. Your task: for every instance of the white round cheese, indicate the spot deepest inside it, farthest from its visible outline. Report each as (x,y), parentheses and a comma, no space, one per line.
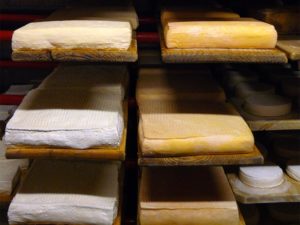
(294,172)
(245,89)
(267,105)
(261,176)
(291,87)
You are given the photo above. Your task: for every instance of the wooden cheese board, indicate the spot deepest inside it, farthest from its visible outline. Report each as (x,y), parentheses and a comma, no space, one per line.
(254,157)
(211,55)
(51,152)
(79,55)
(290,45)
(288,191)
(258,123)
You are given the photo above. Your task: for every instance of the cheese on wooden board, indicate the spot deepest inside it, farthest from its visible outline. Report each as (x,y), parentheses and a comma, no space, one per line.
(267,105)
(294,172)
(236,34)
(67,192)
(67,118)
(185,196)
(246,89)
(177,84)
(261,176)
(73,34)
(178,128)
(102,78)
(97,12)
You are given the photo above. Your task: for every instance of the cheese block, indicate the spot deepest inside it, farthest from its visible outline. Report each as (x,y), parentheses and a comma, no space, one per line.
(294,172)
(291,87)
(177,84)
(246,89)
(86,34)
(67,118)
(267,105)
(102,78)
(9,176)
(174,128)
(194,14)
(97,12)
(186,195)
(220,34)
(285,212)
(261,176)
(65,192)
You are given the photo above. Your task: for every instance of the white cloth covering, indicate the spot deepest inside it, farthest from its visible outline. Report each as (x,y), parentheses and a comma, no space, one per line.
(67,118)
(105,79)
(67,192)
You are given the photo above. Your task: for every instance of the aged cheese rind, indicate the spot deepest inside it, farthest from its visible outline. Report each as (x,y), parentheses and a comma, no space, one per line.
(220,34)
(73,34)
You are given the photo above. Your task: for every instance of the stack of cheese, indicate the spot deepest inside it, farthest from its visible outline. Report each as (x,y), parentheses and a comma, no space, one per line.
(182,117)
(215,28)
(65,192)
(79,27)
(75,107)
(186,195)
(10,171)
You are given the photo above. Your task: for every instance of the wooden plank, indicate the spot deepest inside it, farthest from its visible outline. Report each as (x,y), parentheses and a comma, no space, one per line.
(52,152)
(254,157)
(290,45)
(288,191)
(258,123)
(79,55)
(211,55)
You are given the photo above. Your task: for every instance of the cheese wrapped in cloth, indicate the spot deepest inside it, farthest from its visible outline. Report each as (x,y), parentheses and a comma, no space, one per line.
(62,192)
(191,127)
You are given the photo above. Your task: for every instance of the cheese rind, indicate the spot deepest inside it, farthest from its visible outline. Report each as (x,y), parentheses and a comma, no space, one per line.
(73,34)
(220,34)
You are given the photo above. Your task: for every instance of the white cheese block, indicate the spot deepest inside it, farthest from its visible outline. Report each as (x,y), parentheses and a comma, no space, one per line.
(161,84)
(177,128)
(246,89)
(73,34)
(9,174)
(291,87)
(101,78)
(261,176)
(65,192)
(294,172)
(19,89)
(220,34)
(67,118)
(267,105)
(186,195)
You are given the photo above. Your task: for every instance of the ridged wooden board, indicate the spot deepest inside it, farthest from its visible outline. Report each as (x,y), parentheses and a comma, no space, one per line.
(258,123)
(52,152)
(254,157)
(288,191)
(211,55)
(290,45)
(79,55)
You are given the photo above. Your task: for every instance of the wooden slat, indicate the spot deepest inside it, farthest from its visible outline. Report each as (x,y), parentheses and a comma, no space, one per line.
(79,55)
(211,55)
(289,191)
(254,157)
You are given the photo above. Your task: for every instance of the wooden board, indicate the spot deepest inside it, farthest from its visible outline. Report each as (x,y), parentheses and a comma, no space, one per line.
(79,55)
(52,152)
(258,123)
(254,157)
(211,55)
(288,191)
(290,45)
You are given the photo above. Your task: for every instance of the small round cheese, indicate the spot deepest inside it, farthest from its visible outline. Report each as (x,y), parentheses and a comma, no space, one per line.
(267,105)
(294,172)
(232,78)
(261,176)
(245,89)
(291,87)
(285,212)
